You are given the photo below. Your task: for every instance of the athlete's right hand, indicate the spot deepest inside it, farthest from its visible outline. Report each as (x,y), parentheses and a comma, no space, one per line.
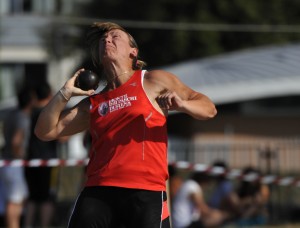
(70,90)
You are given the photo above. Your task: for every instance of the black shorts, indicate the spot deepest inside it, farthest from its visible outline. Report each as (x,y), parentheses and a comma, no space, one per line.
(113,207)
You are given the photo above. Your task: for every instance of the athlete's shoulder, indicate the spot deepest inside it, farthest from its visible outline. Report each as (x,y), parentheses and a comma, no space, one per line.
(161,77)
(156,73)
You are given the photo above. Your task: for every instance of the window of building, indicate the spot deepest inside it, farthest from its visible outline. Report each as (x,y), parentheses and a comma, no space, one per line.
(43,7)
(10,75)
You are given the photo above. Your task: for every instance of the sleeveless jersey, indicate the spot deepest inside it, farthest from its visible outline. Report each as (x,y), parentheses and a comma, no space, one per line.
(129,139)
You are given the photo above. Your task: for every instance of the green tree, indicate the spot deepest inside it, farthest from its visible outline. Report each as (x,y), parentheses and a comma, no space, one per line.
(163,46)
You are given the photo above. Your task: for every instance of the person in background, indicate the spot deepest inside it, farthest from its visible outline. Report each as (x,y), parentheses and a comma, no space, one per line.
(189,208)
(41,193)
(252,200)
(175,181)
(2,205)
(16,131)
(223,196)
(223,186)
(128,168)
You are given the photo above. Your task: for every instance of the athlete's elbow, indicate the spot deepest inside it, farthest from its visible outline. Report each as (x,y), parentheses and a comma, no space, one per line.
(41,135)
(210,113)
(213,112)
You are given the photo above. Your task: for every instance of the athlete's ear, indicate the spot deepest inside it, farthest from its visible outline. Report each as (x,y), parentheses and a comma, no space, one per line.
(134,52)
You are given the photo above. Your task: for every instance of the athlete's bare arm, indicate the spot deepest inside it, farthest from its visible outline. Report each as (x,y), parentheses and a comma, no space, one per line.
(167,92)
(55,121)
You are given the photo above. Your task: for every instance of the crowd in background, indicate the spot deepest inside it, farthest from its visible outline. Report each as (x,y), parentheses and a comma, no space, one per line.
(27,194)
(203,199)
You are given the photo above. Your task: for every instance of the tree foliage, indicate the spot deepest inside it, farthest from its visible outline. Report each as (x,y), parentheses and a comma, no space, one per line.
(167,46)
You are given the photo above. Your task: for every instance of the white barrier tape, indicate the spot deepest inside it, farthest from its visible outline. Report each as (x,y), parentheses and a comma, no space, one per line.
(251,177)
(183,164)
(286,181)
(237,174)
(215,171)
(53,162)
(17,162)
(268,179)
(234,173)
(74,162)
(46,163)
(200,167)
(35,162)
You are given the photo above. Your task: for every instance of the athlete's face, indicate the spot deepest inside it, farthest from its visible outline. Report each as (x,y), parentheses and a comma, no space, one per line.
(114,45)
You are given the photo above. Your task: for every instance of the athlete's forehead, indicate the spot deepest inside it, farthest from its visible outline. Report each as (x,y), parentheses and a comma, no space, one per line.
(115,32)
(98,29)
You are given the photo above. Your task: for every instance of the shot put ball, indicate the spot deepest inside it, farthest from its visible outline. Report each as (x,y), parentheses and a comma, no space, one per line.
(87,80)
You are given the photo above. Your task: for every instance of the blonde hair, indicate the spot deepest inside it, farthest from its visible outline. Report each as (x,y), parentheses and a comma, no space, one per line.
(96,31)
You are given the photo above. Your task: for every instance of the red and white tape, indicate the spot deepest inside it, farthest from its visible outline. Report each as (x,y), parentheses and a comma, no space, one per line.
(231,174)
(238,174)
(43,163)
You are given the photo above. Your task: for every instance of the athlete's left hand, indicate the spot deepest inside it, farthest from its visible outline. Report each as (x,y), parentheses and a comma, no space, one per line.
(170,100)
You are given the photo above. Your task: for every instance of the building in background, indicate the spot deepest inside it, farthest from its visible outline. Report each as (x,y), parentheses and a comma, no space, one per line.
(257,94)
(34,38)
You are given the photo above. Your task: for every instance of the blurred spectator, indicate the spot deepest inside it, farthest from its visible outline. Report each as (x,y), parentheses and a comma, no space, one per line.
(2,205)
(175,181)
(42,193)
(16,131)
(189,209)
(223,196)
(223,187)
(2,198)
(253,197)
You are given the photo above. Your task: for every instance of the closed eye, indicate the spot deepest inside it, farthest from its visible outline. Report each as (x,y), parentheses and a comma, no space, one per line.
(102,38)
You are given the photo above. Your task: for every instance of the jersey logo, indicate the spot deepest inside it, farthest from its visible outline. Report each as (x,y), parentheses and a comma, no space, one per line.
(103,109)
(115,104)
